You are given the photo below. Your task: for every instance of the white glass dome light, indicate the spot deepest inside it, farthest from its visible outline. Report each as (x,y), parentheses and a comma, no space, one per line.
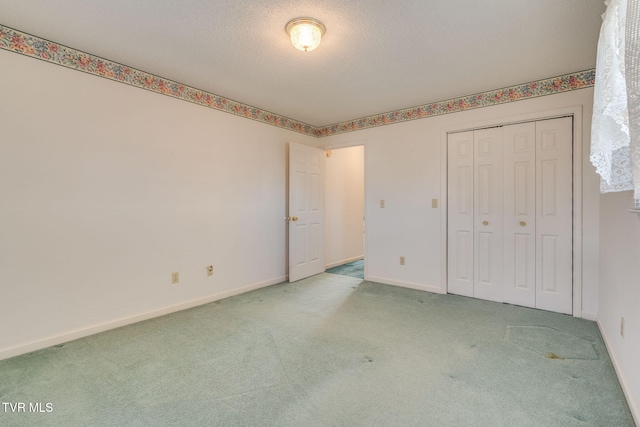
(305,33)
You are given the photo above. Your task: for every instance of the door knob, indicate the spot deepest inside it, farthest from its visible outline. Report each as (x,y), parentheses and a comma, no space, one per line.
(294,218)
(485,222)
(522,223)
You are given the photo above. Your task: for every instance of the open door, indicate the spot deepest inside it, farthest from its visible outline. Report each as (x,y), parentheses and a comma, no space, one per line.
(306,211)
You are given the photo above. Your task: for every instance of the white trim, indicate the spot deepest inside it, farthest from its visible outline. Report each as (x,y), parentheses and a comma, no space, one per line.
(511,120)
(577,211)
(635,411)
(91,330)
(345,144)
(344,261)
(366,209)
(590,316)
(444,206)
(410,285)
(576,113)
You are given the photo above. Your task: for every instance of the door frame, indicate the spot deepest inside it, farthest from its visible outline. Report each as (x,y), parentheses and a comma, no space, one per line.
(576,113)
(357,143)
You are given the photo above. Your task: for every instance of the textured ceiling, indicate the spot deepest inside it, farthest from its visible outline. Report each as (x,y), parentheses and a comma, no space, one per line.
(376,56)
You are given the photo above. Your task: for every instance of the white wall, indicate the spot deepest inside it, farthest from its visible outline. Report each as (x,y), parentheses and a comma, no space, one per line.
(620,290)
(105,190)
(403,167)
(344,205)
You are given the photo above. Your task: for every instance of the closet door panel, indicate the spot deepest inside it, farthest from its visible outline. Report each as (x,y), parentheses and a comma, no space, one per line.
(488,179)
(460,214)
(519,280)
(554,215)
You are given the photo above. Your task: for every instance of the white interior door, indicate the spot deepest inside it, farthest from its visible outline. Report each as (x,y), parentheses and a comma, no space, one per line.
(306,211)
(487,237)
(519,280)
(554,219)
(460,213)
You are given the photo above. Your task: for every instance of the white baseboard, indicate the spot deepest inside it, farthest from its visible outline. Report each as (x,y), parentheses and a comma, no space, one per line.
(635,411)
(410,285)
(589,316)
(91,330)
(345,261)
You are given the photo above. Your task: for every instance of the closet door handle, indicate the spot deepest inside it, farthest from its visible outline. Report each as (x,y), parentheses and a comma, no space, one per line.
(522,223)
(485,222)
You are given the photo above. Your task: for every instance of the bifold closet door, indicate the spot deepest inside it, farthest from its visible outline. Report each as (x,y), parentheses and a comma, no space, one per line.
(488,204)
(554,215)
(460,270)
(475,214)
(510,214)
(520,214)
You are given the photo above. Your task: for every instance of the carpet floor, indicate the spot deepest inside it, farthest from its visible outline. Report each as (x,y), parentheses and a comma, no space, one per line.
(326,351)
(353,269)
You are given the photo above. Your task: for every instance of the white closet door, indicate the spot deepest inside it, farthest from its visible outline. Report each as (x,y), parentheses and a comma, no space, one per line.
(460,214)
(554,222)
(488,202)
(519,214)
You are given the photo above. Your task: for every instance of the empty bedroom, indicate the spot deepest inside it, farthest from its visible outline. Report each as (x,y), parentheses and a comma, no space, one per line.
(341,213)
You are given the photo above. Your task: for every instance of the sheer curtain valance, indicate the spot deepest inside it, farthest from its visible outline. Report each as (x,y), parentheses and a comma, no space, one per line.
(615,132)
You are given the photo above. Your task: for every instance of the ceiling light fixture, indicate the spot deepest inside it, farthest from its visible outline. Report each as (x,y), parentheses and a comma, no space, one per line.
(305,33)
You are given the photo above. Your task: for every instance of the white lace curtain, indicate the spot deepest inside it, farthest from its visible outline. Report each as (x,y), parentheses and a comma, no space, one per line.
(615,131)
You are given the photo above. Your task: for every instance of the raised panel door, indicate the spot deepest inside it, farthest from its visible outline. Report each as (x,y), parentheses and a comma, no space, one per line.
(488,195)
(519,279)
(306,211)
(460,268)
(554,215)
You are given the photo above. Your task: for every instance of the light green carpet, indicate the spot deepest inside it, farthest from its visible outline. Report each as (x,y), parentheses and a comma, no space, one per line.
(327,351)
(353,269)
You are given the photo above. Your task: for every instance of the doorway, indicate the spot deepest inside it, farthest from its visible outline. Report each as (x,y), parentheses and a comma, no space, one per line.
(344,211)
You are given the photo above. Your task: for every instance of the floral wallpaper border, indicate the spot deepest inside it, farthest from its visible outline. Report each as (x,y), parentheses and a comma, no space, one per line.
(29,45)
(26,44)
(550,86)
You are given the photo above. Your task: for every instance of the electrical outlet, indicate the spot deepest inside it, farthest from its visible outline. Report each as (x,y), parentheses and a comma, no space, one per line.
(622,327)
(434,203)
(382,203)
(210,270)
(402,260)
(175,278)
